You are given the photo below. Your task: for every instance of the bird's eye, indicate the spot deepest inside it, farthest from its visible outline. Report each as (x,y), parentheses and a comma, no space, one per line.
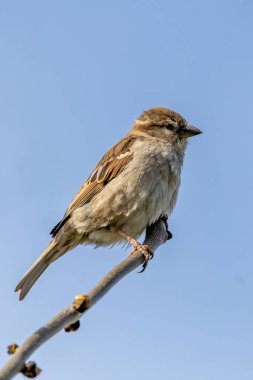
(169,126)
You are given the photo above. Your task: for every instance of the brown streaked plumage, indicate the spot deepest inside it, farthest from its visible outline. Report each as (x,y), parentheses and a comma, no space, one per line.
(109,167)
(134,184)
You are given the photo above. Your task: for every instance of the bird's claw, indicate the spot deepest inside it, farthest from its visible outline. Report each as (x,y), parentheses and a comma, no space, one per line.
(144,249)
(147,253)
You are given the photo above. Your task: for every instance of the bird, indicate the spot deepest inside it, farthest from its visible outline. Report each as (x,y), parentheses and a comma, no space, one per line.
(134,184)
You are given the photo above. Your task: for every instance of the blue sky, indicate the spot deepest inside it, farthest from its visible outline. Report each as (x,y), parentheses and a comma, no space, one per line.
(73,77)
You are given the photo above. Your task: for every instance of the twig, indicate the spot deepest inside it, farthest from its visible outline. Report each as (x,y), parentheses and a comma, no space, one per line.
(156,235)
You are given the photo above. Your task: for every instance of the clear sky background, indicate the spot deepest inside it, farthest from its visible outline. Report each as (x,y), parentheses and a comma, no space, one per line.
(73,77)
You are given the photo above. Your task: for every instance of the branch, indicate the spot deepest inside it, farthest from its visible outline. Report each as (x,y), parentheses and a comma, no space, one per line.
(156,235)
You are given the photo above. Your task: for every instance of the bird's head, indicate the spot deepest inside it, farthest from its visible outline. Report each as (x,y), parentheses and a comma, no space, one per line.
(164,124)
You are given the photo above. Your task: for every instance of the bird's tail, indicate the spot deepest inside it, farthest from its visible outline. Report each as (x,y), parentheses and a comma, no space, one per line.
(53,251)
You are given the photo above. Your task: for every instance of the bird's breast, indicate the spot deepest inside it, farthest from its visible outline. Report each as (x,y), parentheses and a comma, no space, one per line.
(145,190)
(151,180)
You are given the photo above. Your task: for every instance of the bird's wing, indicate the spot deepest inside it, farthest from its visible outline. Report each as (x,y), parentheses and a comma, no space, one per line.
(108,168)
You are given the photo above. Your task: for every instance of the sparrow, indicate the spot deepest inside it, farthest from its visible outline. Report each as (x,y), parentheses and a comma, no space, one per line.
(134,184)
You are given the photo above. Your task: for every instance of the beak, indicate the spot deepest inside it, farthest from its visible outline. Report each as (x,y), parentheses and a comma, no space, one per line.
(189,131)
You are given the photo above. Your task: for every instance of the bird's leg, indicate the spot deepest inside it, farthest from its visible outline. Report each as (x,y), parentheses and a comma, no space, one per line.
(144,249)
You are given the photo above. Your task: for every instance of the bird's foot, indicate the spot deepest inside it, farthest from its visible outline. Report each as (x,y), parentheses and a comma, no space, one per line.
(144,249)
(147,253)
